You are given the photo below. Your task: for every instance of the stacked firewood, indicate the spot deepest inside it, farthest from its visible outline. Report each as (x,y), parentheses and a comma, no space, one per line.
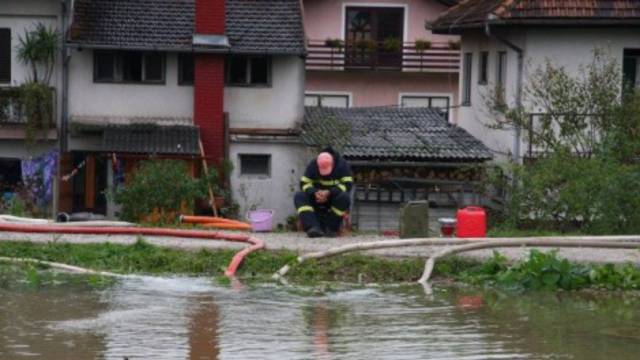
(365,175)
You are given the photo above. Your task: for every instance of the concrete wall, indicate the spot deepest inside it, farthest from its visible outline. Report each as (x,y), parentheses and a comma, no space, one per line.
(569,48)
(87,97)
(275,191)
(280,105)
(383,88)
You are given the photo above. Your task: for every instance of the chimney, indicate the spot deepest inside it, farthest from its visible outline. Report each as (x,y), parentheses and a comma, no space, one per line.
(209,81)
(210,17)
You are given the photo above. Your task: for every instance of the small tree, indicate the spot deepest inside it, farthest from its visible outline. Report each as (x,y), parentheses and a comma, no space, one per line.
(37,49)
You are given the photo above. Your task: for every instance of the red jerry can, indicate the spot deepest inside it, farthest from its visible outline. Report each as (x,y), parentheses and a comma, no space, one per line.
(472,222)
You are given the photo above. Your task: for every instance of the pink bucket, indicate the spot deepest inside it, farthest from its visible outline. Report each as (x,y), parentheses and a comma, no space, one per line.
(260,219)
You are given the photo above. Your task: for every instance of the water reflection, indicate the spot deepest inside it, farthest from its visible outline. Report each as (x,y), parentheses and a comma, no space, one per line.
(191,318)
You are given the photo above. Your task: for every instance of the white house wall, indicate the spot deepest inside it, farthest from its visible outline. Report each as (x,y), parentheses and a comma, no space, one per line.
(570,48)
(268,192)
(279,106)
(87,97)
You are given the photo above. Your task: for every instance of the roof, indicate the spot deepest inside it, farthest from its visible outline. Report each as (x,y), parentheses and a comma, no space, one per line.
(392,133)
(175,140)
(474,13)
(252,26)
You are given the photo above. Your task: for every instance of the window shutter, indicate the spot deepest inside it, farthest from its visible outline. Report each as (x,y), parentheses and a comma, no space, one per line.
(5,55)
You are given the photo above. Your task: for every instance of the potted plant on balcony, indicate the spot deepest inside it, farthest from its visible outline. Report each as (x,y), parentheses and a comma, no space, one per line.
(334,43)
(421,46)
(366,45)
(454,44)
(392,44)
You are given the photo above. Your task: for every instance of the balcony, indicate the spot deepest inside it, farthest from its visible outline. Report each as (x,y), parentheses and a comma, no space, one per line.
(333,55)
(14,121)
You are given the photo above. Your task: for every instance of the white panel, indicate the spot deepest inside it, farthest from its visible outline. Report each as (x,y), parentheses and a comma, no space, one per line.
(412,101)
(335,101)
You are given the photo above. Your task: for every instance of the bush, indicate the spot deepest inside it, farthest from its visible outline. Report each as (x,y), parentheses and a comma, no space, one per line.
(589,151)
(159,187)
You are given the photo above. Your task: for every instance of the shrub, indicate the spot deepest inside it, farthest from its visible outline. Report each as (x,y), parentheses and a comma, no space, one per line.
(161,187)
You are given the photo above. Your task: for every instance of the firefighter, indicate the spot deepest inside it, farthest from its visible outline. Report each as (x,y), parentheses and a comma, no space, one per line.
(324,198)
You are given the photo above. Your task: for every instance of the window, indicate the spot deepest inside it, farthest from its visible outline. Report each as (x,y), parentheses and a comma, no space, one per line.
(326,100)
(484,65)
(128,67)
(466,79)
(630,68)
(5,55)
(248,71)
(186,69)
(374,36)
(501,74)
(441,103)
(255,164)
(501,70)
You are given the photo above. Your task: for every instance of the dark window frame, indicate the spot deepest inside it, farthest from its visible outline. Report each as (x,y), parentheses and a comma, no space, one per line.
(320,96)
(118,67)
(501,74)
(5,73)
(182,59)
(483,68)
(467,73)
(243,170)
(248,71)
(445,112)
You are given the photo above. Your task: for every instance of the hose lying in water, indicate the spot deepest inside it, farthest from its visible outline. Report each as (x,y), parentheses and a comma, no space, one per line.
(616,242)
(61,266)
(256,244)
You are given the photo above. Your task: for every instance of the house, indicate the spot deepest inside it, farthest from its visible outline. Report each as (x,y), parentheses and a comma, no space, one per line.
(150,78)
(18,142)
(398,155)
(503,42)
(378,53)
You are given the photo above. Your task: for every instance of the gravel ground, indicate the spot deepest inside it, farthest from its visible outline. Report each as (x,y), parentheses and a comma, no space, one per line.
(300,243)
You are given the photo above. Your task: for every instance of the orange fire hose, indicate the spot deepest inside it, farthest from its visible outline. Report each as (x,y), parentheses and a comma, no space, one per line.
(256,244)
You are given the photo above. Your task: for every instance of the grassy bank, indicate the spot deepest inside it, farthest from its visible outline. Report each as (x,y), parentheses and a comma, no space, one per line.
(541,271)
(142,257)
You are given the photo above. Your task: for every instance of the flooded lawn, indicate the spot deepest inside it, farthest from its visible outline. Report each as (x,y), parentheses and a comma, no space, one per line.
(194,318)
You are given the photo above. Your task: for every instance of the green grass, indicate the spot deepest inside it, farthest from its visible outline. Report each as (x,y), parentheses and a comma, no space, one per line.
(143,258)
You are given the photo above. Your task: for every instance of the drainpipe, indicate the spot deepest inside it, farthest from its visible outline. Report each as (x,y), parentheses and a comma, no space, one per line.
(520,52)
(63,141)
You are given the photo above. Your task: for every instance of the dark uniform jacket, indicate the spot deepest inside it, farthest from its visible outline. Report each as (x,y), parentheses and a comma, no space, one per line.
(340,179)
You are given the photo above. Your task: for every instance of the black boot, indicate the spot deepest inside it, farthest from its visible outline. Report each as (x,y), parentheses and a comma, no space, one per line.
(315,232)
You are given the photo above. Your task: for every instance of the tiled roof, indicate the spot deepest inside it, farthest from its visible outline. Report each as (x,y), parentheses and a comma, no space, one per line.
(146,139)
(473,13)
(252,26)
(393,133)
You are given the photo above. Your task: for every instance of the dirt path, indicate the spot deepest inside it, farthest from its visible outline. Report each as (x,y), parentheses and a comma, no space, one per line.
(300,243)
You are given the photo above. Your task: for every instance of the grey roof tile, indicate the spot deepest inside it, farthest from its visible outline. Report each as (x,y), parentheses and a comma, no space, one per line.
(393,133)
(252,26)
(148,139)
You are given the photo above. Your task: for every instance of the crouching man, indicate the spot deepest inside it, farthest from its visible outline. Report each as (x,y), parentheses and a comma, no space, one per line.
(324,198)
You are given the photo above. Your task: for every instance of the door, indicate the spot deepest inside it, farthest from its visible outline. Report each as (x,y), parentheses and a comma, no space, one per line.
(374,37)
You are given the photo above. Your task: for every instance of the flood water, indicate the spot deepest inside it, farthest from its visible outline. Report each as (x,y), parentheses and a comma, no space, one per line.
(195,318)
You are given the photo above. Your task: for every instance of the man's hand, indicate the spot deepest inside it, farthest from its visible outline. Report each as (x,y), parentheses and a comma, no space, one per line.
(322,196)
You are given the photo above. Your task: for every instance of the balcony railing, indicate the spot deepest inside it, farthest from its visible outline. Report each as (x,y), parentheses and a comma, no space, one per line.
(337,56)
(12,108)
